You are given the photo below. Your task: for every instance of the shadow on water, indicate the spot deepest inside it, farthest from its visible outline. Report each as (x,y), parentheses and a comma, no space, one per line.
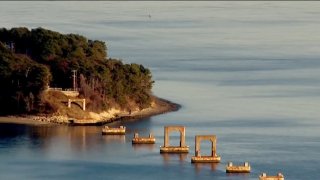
(12,135)
(12,130)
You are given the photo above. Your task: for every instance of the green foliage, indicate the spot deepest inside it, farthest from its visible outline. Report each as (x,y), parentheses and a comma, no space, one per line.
(22,82)
(32,59)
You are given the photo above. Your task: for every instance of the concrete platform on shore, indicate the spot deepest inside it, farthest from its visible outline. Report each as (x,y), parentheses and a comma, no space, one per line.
(22,120)
(90,118)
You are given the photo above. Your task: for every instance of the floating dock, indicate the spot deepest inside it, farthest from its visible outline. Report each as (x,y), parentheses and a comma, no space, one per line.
(106,130)
(230,168)
(214,158)
(143,140)
(264,176)
(166,148)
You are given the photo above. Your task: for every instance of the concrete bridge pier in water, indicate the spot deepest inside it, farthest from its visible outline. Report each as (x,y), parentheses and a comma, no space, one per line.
(182,148)
(214,158)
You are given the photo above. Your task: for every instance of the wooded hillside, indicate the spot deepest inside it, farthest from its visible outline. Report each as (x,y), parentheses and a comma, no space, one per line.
(32,59)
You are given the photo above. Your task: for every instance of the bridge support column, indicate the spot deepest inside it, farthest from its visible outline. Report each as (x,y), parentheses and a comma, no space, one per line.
(182,137)
(166,148)
(198,158)
(211,138)
(166,137)
(84,104)
(213,149)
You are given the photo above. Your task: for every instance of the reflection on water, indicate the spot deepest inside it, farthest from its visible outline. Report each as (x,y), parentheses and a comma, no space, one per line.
(139,147)
(78,138)
(204,166)
(114,138)
(168,157)
(243,176)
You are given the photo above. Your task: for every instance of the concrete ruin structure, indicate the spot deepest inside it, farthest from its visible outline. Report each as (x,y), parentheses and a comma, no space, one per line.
(143,140)
(106,130)
(264,176)
(83,101)
(182,148)
(214,158)
(245,168)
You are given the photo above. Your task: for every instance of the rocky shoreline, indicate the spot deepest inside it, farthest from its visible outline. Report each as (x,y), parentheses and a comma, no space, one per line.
(164,107)
(159,106)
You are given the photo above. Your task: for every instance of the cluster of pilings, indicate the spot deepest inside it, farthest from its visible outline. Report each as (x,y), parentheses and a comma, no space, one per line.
(213,158)
(183,148)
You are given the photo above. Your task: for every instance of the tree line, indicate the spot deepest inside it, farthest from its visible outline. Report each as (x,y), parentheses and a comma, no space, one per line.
(30,60)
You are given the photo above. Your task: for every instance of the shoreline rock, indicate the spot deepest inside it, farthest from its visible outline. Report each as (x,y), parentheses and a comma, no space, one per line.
(160,106)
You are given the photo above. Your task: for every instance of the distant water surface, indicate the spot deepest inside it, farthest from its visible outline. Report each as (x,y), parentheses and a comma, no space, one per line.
(248,72)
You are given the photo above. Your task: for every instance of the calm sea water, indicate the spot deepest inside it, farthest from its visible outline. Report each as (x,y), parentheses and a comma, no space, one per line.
(248,72)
